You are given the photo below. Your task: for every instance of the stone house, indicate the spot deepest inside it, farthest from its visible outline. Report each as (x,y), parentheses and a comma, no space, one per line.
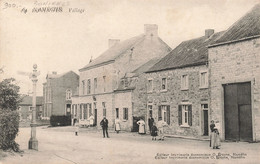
(178,88)
(234,67)
(57,93)
(101,77)
(132,94)
(25,107)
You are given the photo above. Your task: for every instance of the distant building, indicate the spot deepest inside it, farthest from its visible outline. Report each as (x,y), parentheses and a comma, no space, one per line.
(101,77)
(25,107)
(178,88)
(234,66)
(57,93)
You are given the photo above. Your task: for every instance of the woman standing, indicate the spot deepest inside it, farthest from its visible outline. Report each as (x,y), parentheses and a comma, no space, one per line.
(117,125)
(215,138)
(154,131)
(212,126)
(141,124)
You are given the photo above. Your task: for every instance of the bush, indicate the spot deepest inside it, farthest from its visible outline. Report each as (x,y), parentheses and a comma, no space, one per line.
(60,120)
(9,127)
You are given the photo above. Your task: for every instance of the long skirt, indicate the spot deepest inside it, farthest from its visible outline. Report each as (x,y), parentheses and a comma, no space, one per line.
(215,140)
(141,129)
(117,128)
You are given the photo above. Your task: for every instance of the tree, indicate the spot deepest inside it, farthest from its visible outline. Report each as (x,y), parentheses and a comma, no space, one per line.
(9,117)
(9,94)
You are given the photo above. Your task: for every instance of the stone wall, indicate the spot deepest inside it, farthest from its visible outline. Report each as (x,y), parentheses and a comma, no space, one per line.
(235,63)
(174,96)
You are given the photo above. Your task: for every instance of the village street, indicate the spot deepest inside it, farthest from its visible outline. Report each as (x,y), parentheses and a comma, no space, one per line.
(60,145)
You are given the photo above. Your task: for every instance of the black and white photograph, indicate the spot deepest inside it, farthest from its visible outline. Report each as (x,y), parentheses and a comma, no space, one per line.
(129,81)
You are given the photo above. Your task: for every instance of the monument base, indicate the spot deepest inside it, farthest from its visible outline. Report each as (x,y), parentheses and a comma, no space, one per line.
(33,144)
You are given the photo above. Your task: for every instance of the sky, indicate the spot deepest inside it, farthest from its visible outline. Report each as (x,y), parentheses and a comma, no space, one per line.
(64,41)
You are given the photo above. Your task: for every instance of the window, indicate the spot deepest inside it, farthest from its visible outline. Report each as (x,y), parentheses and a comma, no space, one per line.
(164,85)
(204,79)
(164,113)
(104,109)
(81,111)
(89,87)
(184,82)
(150,110)
(95,85)
(185,115)
(117,112)
(126,83)
(150,85)
(104,83)
(68,94)
(83,87)
(125,113)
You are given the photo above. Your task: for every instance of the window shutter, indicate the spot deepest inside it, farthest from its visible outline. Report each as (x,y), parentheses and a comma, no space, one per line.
(168,114)
(126,113)
(159,113)
(190,115)
(180,114)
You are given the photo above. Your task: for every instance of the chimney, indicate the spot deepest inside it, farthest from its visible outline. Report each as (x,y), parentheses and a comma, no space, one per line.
(209,32)
(151,30)
(112,42)
(54,73)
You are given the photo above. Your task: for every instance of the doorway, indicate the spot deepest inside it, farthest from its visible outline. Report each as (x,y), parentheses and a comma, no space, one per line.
(205,119)
(238,112)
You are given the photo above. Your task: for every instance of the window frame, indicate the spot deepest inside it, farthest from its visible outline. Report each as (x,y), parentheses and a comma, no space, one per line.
(185,109)
(149,87)
(165,89)
(125,113)
(187,82)
(206,85)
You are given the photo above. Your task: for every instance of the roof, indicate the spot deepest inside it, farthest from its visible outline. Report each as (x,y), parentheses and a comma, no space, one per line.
(188,53)
(115,51)
(119,49)
(53,76)
(245,27)
(145,67)
(27,100)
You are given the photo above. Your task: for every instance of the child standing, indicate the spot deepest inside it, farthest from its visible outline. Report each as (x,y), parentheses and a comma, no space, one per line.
(154,131)
(76,125)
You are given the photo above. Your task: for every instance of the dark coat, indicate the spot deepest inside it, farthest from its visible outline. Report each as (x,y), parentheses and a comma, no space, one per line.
(150,122)
(212,126)
(104,123)
(154,130)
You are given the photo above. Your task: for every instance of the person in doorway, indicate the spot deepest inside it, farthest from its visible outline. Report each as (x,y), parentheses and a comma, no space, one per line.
(141,124)
(104,125)
(76,126)
(154,131)
(212,126)
(161,124)
(215,138)
(91,120)
(117,125)
(150,123)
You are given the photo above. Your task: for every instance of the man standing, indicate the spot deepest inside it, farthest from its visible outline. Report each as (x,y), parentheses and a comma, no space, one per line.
(150,123)
(104,125)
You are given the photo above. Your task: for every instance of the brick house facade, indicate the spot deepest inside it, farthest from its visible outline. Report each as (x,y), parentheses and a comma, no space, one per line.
(57,93)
